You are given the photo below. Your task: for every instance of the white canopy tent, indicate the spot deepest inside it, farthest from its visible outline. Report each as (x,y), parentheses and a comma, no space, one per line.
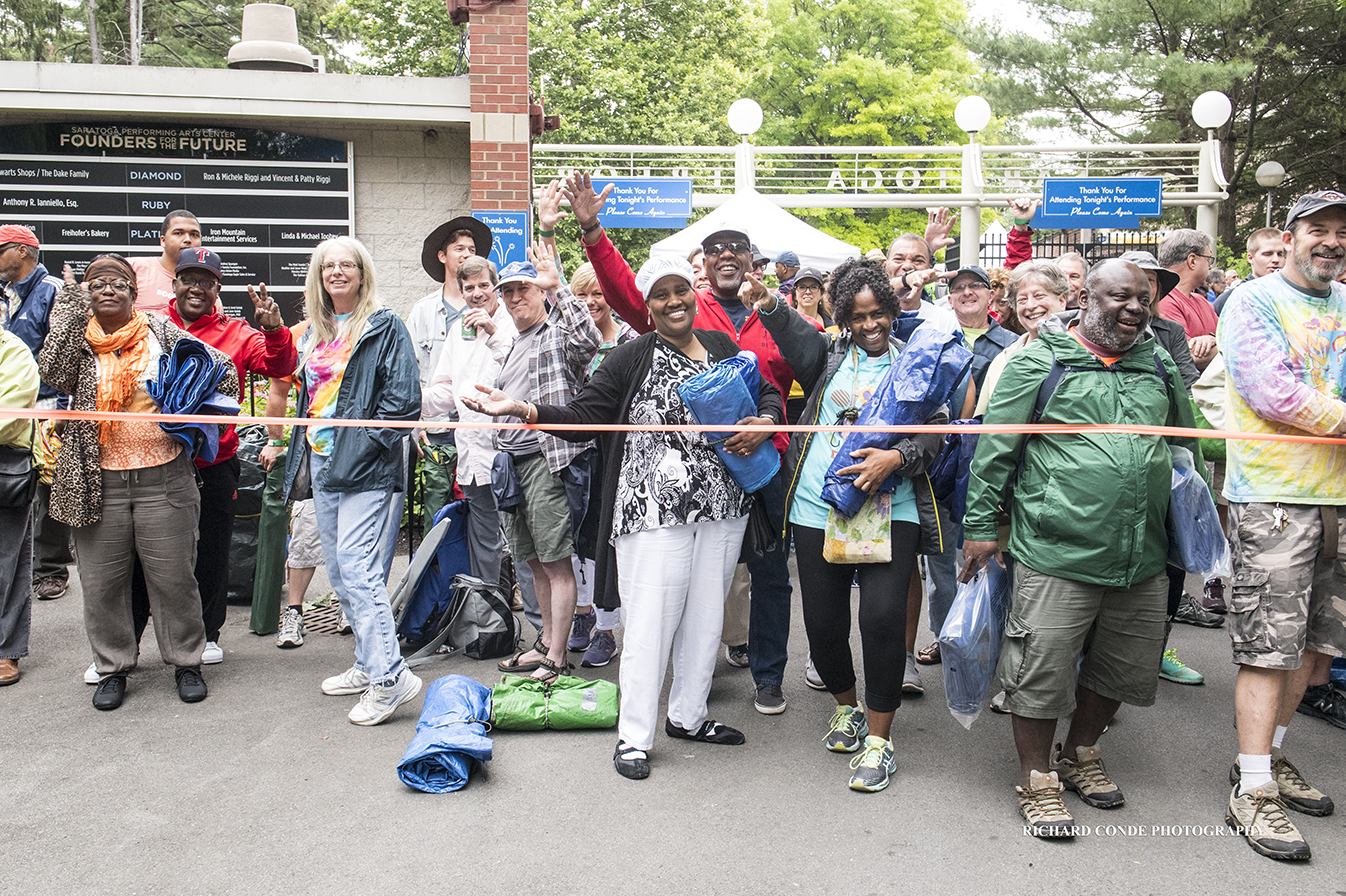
(771,228)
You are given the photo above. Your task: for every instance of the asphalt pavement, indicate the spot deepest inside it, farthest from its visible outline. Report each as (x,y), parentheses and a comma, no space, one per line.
(265,787)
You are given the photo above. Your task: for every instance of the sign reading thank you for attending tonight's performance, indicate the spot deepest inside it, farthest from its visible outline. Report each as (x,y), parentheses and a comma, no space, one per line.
(264,199)
(1069,202)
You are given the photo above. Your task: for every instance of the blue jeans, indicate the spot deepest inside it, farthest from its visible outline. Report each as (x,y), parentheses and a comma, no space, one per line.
(769,613)
(351,526)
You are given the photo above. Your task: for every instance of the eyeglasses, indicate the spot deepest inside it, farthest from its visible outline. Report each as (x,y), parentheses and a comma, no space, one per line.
(967,287)
(194,282)
(810,288)
(347,267)
(720,248)
(118,285)
(1210,258)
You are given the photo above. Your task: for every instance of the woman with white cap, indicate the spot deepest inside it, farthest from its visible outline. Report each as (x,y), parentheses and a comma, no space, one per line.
(673,516)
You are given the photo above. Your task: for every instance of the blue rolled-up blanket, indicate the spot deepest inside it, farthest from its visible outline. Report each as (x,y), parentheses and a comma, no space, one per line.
(724,395)
(450,739)
(188,383)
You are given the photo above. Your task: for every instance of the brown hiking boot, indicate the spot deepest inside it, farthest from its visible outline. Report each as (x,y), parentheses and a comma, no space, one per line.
(1296,793)
(1042,807)
(1260,817)
(1086,776)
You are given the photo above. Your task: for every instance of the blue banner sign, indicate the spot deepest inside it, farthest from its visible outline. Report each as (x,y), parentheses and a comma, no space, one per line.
(1070,202)
(646,201)
(511,232)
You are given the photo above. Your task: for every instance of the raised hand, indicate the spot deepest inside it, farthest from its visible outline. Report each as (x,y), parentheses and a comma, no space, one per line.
(549,212)
(584,202)
(1022,209)
(548,275)
(265,310)
(939,222)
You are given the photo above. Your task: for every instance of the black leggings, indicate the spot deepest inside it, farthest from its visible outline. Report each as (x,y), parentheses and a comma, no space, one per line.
(825,589)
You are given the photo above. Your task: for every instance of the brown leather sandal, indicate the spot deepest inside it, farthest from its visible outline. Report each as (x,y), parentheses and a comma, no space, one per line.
(929,656)
(513,664)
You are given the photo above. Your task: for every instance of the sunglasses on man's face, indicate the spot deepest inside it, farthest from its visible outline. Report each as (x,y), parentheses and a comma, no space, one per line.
(734,246)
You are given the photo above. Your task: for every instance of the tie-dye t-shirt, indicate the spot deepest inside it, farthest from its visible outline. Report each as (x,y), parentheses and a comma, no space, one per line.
(322,376)
(1285,353)
(848,387)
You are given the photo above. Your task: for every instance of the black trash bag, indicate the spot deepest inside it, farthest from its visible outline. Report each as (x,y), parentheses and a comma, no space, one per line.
(247,512)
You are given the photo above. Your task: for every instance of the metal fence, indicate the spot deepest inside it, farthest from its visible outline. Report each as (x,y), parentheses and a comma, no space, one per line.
(1052,245)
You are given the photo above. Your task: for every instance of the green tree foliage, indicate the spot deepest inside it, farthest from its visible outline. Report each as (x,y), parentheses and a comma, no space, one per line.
(873,73)
(187,33)
(403,37)
(1129,70)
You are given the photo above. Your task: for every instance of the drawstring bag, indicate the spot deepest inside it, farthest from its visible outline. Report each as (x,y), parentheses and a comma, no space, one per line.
(866,537)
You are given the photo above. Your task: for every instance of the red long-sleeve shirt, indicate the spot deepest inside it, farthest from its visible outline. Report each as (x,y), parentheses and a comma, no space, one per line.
(251,350)
(619,291)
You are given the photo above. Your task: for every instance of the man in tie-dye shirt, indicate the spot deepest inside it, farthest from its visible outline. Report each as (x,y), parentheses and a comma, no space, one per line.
(1284,342)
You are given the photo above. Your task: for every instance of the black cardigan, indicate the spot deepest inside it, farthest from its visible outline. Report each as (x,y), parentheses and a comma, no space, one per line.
(607,398)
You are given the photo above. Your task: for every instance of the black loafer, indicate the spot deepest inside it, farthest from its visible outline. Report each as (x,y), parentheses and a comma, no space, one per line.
(710,732)
(191,686)
(110,693)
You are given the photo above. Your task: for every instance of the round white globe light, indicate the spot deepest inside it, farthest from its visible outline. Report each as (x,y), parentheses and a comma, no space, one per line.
(745,116)
(1270,174)
(1211,110)
(972,114)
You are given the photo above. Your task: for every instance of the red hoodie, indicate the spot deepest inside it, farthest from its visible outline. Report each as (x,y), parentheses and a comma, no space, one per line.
(622,296)
(251,350)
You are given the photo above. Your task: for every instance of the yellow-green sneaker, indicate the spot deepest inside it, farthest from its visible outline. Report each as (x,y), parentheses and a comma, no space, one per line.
(1174,669)
(847,730)
(873,766)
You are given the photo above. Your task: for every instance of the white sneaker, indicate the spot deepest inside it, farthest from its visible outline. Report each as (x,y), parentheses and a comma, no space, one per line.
(911,678)
(812,678)
(352,681)
(378,703)
(344,624)
(91,674)
(291,632)
(212,654)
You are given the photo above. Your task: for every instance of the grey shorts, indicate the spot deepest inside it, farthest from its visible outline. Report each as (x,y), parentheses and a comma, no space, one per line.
(540,528)
(305,546)
(1286,596)
(1119,631)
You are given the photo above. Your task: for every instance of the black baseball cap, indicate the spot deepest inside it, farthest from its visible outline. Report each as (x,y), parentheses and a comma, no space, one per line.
(201,258)
(1312,202)
(809,274)
(975,270)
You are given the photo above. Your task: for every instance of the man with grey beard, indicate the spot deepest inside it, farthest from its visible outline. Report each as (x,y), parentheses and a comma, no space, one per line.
(1282,337)
(1088,541)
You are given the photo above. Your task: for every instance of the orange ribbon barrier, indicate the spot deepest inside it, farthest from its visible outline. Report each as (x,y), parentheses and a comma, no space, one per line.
(1100,428)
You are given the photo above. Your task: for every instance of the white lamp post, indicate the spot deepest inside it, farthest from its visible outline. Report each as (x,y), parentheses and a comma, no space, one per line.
(972,114)
(1210,111)
(745,117)
(1270,175)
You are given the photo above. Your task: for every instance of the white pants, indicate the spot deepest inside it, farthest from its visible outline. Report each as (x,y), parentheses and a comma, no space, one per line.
(673,582)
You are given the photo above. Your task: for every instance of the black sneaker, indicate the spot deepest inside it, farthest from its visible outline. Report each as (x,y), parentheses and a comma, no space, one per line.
(710,732)
(769,700)
(191,686)
(736,655)
(110,693)
(1323,701)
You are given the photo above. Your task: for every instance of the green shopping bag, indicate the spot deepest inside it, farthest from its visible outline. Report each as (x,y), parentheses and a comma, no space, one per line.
(522,704)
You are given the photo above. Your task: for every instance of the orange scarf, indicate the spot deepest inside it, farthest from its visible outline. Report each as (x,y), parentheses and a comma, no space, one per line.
(122,356)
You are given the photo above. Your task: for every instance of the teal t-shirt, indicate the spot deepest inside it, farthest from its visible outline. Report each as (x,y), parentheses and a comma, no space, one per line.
(849,387)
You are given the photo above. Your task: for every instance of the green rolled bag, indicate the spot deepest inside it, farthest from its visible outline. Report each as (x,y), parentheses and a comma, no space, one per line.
(522,704)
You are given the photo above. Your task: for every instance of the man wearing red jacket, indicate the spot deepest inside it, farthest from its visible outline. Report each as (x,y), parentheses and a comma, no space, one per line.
(270,352)
(728,265)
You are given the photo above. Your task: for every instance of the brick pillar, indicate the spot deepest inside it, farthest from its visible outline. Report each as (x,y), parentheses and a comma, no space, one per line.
(501,179)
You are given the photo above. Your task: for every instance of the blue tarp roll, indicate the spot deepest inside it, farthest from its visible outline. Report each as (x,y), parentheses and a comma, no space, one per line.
(724,395)
(188,379)
(450,739)
(917,383)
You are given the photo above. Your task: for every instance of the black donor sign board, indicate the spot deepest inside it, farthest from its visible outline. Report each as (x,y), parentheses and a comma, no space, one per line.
(264,198)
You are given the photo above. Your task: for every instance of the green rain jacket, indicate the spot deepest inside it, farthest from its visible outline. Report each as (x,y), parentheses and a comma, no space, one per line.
(1086,507)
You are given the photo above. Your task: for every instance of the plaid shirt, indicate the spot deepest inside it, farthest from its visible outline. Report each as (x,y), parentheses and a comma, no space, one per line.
(562,350)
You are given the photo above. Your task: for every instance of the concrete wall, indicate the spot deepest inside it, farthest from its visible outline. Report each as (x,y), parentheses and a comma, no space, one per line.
(408,181)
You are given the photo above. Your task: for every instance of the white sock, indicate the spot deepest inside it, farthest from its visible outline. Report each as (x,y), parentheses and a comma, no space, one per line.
(1254,771)
(1279,736)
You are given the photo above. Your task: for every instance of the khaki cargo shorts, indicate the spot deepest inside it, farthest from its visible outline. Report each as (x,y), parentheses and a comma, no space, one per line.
(1286,596)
